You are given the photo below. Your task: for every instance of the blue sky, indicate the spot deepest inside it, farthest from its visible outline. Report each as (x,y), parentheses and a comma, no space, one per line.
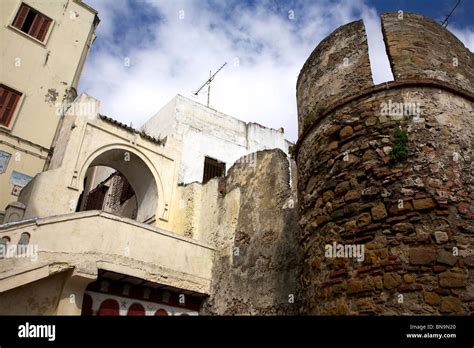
(147,51)
(436,9)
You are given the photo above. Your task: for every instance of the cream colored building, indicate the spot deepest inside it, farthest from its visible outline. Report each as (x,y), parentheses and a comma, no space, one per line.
(207,137)
(43,47)
(112,220)
(61,255)
(170,244)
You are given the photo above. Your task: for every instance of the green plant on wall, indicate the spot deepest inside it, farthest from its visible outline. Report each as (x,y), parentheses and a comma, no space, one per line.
(399,151)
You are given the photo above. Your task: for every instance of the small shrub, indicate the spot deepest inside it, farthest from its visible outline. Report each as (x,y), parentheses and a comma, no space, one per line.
(399,151)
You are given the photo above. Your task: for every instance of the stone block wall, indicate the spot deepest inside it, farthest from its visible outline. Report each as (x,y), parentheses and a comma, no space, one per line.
(418,48)
(414,216)
(257,261)
(340,63)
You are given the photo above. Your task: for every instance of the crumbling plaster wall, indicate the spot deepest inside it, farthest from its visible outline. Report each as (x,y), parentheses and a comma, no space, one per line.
(85,243)
(40,297)
(250,218)
(415,218)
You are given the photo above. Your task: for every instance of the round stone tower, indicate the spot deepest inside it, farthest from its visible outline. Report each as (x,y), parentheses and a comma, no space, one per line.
(385,173)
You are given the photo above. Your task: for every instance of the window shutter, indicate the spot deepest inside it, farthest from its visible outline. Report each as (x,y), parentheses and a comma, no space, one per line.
(212,169)
(21,16)
(6,98)
(8,102)
(35,27)
(3,102)
(44,29)
(9,107)
(3,95)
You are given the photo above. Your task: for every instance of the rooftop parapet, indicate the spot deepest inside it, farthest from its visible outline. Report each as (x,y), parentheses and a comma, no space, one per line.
(418,49)
(338,67)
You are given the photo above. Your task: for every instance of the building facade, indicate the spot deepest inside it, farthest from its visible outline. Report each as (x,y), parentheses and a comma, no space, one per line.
(43,48)
(160,258)
(113,220)
(199,213)
(208,138)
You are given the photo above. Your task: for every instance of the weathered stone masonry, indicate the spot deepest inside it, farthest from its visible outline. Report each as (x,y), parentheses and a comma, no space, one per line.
(415,218)
(256,266)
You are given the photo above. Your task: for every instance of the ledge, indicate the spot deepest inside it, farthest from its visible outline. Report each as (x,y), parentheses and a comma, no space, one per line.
(430,83)
(102,214)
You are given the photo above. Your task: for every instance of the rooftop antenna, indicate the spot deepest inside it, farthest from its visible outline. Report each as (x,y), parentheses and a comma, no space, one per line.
(445,21)
(208,83)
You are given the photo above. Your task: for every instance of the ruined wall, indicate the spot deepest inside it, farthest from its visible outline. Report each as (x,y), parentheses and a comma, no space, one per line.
(256,265)
(413,216)
(340,63)
(417,49)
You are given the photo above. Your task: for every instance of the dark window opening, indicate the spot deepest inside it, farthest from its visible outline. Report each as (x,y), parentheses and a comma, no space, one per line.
(108,191)
(8,101)
(28,22)
(24,239)
(212,169)
(95,198)
(32,22)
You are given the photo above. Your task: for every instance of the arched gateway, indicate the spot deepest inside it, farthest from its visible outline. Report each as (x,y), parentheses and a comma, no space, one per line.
(99,160)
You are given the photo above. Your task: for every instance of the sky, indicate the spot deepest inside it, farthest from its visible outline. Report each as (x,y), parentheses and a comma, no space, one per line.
(147,51)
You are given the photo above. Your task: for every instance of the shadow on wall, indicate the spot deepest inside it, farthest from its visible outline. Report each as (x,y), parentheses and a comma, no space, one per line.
(256,270)
(139,182)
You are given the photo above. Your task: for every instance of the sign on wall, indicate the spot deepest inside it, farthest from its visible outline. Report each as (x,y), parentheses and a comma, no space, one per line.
(4,159)
(16,190)
(20,179)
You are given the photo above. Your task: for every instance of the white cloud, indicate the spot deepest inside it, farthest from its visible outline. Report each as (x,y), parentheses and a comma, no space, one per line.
(465,35)
(379,62)
(175,55)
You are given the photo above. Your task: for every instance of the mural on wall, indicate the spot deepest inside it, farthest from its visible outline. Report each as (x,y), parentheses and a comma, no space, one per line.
(4,159)
(20,179)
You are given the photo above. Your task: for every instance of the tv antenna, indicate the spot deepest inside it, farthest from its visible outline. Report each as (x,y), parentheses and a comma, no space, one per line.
(208,83)
(444,23)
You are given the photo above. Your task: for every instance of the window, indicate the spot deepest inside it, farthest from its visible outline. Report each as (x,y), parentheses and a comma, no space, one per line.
(136,309)
(8,101)
(212,169)
(32,22)
(95,198)
(24,239)
(109,308)
(4,244)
